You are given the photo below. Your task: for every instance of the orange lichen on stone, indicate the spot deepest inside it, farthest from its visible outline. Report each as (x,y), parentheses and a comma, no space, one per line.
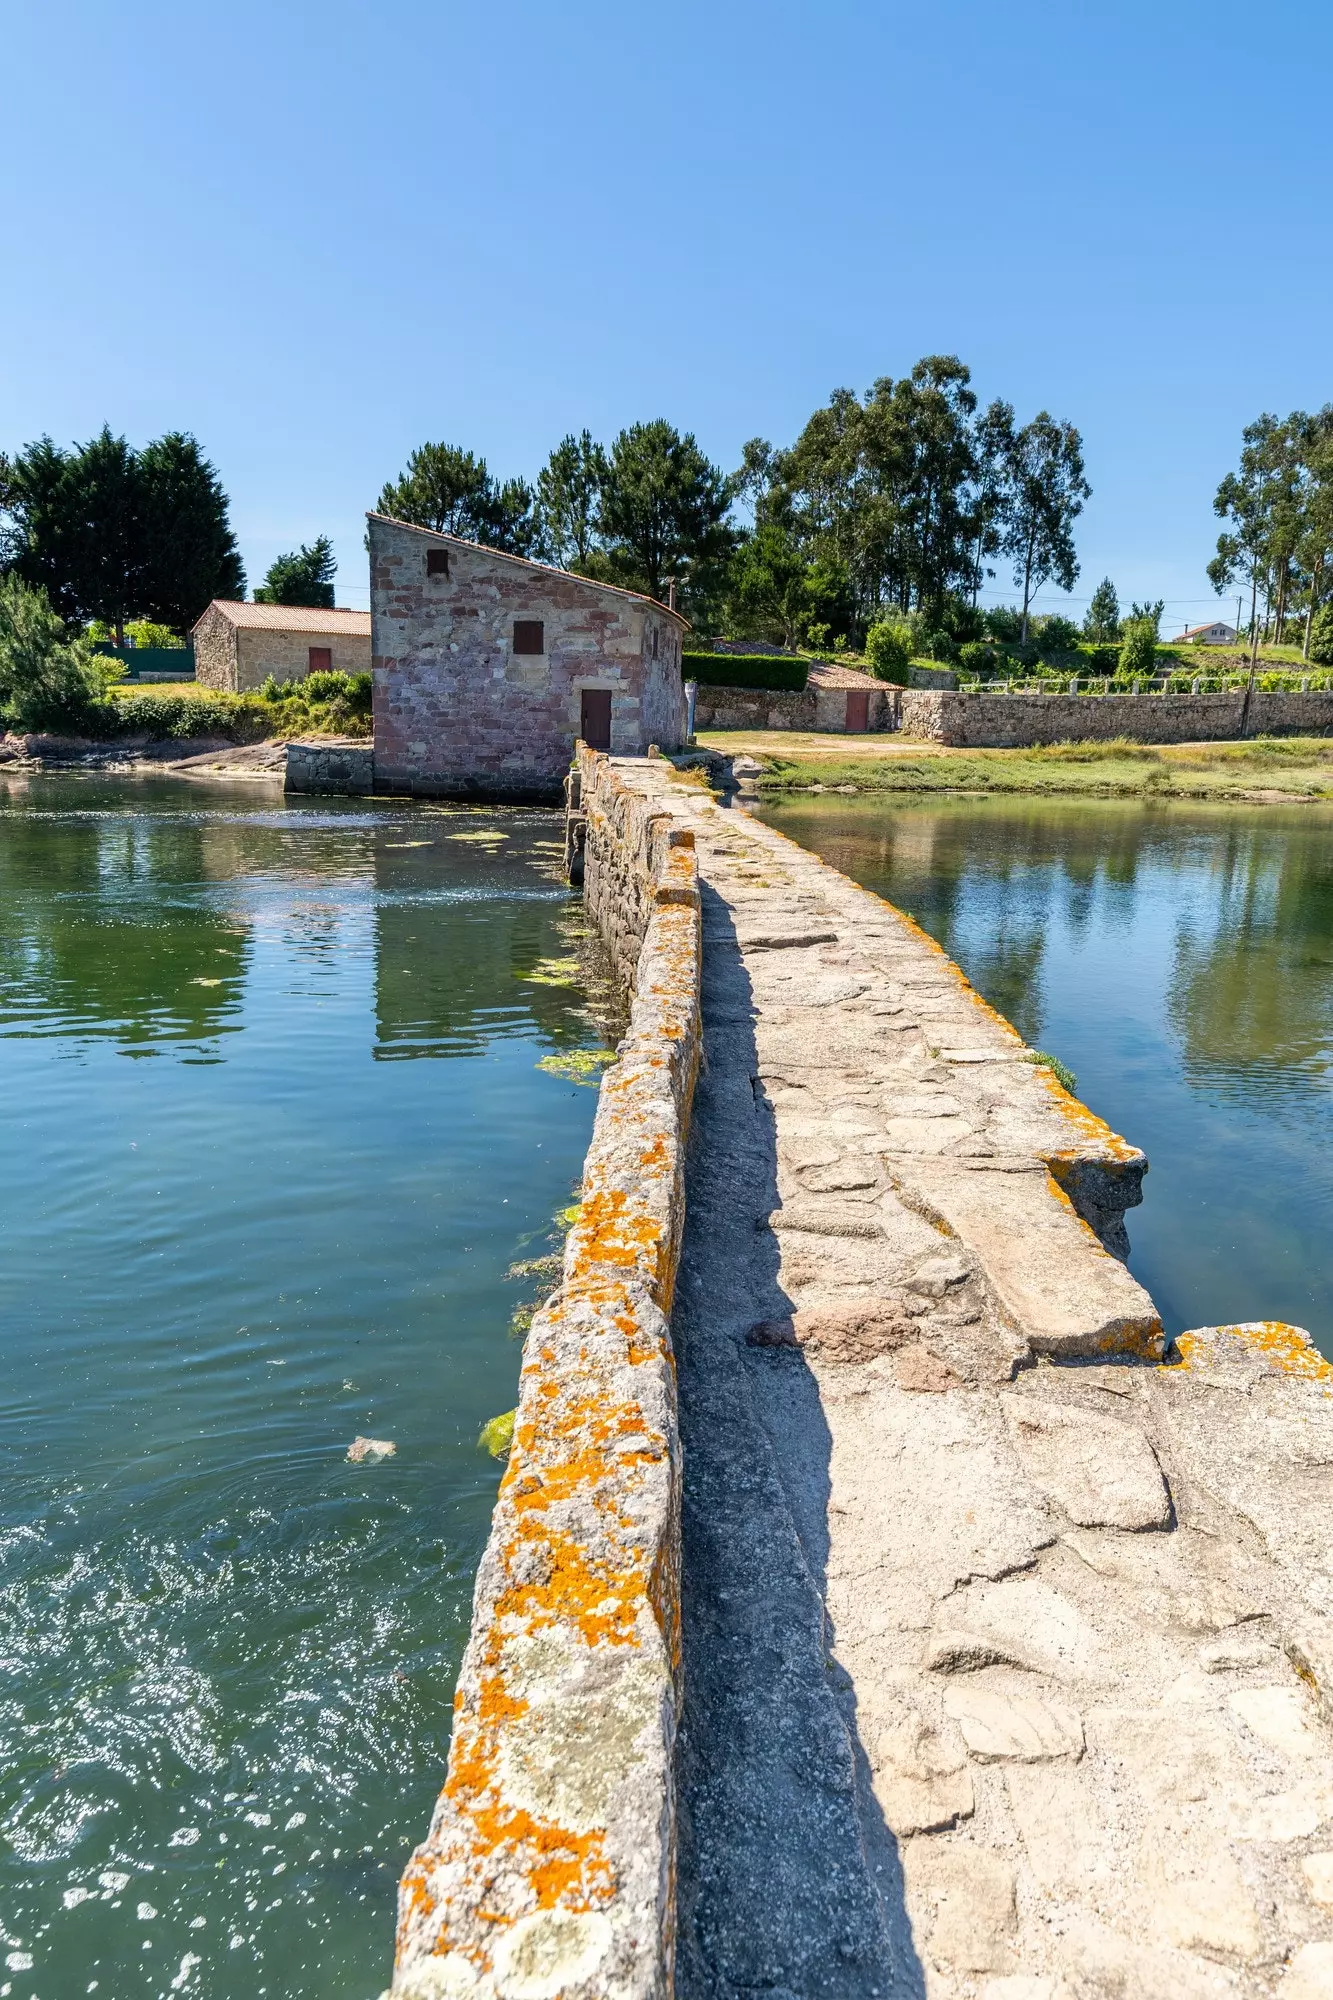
(583,1564)
(1284,1347)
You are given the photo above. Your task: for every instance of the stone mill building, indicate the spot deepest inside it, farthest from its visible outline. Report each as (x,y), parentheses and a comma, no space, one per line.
(488,668)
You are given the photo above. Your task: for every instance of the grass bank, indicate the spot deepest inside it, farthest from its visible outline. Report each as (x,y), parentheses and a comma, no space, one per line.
(1267,768)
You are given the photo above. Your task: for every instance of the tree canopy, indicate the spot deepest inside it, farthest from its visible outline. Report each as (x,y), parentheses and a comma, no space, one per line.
(889,506)
(1278,510)
(114,534)
(303,577)
(452,492)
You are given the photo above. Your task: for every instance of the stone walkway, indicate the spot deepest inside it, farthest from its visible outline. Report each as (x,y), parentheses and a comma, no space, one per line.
(1007,1652)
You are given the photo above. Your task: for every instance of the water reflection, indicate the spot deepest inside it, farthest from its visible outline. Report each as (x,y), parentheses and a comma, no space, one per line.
(1178,958)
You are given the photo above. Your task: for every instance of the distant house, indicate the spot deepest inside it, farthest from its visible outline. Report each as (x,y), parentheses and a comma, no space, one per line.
(488,667)
(237,646)
(1216,634)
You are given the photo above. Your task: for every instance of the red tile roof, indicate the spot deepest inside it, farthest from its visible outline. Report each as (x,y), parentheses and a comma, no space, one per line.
(292,618)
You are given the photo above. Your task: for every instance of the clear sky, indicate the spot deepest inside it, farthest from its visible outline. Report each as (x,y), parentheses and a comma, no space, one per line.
(316,235)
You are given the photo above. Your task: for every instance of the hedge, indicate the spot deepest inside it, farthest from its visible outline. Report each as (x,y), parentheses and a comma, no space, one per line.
(745,670)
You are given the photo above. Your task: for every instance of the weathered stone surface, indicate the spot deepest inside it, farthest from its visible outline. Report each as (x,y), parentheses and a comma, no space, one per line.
(1017,1727)
(854,1332)
(963,1897)
(1309,1976)
(894,1599)
(1103,1473)
(548,1868)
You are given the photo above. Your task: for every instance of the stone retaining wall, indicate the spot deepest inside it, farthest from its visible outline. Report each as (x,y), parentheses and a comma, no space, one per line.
(549,1867)
(345,768)
(1012,721)
(775,708)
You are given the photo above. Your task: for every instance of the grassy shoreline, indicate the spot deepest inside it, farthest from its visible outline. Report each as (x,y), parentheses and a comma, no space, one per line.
(1287,770)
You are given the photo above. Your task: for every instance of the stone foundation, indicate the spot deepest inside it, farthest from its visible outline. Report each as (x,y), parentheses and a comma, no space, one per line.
(347,769)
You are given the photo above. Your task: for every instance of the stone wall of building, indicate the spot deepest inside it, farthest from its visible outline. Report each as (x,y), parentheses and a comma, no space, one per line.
(322,765)
(1011,721)
(549,1867)
(460,713)
(214,639)
(286,655)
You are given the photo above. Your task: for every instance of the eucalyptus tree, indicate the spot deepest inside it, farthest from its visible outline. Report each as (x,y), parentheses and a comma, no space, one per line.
(1047,488)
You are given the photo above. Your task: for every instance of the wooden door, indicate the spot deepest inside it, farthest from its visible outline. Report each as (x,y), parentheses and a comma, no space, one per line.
(320,659)
(858,709)
(595,718)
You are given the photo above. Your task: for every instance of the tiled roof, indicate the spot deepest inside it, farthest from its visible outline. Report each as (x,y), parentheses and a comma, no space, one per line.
(823,674)
(292,618)
(503,555)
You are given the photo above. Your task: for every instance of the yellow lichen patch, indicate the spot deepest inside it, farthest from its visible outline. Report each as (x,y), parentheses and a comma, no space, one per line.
(1288,1348)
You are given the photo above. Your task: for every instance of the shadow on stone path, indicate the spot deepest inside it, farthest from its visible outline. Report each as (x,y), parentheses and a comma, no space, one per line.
(790,1884)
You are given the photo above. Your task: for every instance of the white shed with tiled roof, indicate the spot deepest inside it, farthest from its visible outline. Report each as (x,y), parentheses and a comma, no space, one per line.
(237,646)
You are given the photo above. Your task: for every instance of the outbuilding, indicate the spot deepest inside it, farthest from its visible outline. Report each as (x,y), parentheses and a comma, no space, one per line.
(237,646)
(489,667)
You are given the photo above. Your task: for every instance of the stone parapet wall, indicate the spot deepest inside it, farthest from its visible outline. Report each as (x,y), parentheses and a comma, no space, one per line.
(549,1868)
(344,768)
(1012,721)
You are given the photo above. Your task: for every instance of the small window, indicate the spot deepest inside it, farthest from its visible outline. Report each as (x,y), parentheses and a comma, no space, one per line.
(654,642)
(529,635)
(319,660)
(437,562)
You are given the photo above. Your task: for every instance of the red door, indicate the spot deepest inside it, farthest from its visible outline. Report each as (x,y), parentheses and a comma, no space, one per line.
(321,660)
(858,709)
(595,718)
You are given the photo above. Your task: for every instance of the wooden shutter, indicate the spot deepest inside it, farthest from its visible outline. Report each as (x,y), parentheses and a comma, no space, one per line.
(319,660)
(529,635)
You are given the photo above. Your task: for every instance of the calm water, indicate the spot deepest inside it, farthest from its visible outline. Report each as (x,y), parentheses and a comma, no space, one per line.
(274,1132)
(1180,960)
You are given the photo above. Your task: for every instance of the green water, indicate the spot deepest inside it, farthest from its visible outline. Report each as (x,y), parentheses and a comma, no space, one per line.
(1180,960)
(273,1134)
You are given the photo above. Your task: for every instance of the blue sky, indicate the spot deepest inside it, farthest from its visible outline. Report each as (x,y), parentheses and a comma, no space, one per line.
(317,235)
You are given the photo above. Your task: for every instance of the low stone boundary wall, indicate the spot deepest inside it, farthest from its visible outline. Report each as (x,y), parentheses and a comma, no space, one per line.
(1012,721)
(345,768)
(549,1865)
(774,708)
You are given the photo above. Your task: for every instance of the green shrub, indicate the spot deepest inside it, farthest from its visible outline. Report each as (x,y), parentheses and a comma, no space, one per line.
(1101,659)
(1058,635)
(1004,624)
(744,670)
(941,647)
(888,652)
(1138,653)
(1321,636)
(48,679)
(161,715)
(975,658)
